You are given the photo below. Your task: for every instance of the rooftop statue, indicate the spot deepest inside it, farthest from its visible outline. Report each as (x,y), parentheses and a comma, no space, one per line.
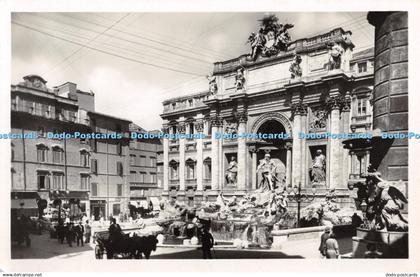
(272,38)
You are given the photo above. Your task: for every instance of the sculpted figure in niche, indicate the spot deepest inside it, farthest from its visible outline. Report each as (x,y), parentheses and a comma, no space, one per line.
(231,172)
(318,168)
(295,69)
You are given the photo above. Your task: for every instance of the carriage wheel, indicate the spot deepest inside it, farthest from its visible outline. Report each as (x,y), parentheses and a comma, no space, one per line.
(98,252)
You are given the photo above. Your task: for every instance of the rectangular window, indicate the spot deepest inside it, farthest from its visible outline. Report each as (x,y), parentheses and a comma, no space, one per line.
(190,171)
(94,145)
(58,181)
(361,106)
(152,161)
(142,177)
(120,169)
(42,154)
(142,160)
(94,166)
(119,190)
(207,170)
(84,182)
(58,156)
(94,189)
(174,171)
(43,180)
(132,159)
(84,159)
(362,67)
(153,178)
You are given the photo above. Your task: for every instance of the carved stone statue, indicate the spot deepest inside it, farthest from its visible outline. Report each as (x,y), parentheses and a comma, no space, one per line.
(295,69)
(240,78)
(231,128)
(268,170)
(270,39)
(231,172)
(212,85)
(336,52)
(318,120)
(318,168)
(384,204)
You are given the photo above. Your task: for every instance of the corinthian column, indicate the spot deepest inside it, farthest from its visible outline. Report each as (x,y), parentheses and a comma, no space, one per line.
(335,145)
(297,146)
(199,129)
(288,163)
(241,179)
(345,115)
(181,130)
(165,161)
(215,123)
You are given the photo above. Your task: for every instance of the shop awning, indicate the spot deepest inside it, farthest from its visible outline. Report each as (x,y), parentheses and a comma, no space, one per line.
(82,195)
(156,203)
(24,204)
(25,195)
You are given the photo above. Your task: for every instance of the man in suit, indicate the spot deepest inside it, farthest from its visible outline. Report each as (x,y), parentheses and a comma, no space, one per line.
(80,230)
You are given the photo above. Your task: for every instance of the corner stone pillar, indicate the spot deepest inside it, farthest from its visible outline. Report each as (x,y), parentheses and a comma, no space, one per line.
(241,179)
(390,98)
(345,115)
(304,170)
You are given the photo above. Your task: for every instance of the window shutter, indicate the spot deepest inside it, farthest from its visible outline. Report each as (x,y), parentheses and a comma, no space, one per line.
(47,181)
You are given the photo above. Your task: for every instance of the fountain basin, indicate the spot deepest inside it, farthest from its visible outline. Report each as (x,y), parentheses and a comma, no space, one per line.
(390,244)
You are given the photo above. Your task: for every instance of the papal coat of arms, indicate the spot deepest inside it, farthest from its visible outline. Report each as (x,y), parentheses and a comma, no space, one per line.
(270,39)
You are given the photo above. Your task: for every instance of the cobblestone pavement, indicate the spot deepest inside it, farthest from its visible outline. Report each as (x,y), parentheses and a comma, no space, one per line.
(43,247)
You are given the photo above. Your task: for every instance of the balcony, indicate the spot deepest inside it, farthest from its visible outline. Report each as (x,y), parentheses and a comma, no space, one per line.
(361,121)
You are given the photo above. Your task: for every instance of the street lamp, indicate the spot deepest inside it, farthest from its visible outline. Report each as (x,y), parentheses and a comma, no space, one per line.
(295,194)
(363,206)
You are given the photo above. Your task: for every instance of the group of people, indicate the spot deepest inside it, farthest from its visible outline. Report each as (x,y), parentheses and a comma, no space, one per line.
(79,233)
(329,246)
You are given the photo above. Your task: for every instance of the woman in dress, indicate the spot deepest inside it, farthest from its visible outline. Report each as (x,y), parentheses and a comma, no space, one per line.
(332,247)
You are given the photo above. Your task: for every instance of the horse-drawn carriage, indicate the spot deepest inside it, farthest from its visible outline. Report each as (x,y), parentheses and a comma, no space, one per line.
(126,246)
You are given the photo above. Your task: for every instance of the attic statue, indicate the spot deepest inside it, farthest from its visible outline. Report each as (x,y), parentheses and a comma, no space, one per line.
(384,203)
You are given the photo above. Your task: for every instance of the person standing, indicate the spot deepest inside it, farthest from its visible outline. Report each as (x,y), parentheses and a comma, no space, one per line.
(207,243)
(322,246)
(70,234)
(88,231)
(333,252)
(80,230)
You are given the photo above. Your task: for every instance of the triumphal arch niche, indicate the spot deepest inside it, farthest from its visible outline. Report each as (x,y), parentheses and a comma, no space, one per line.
(295,92)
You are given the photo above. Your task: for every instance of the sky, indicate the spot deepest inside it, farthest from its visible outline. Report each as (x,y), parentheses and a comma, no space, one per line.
(134,61)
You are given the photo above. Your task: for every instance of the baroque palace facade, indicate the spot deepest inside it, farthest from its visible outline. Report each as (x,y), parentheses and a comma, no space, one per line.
(313,85)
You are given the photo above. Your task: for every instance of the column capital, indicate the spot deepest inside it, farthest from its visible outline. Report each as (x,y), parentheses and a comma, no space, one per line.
(181,128)
(299,108)
(165,128)
(216,121)
(242,117)
(288,145)
(199,126)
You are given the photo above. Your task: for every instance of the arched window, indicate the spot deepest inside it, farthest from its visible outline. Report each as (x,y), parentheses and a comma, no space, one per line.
(84,158)
(42,153)
(190,165)
(207,168)
(173,169)
(57,154)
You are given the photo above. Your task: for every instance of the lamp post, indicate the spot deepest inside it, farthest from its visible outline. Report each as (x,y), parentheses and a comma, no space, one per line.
(363,206)
(295,194)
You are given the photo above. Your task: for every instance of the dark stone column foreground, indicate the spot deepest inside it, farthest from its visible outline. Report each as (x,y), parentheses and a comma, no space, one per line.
(390,99)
